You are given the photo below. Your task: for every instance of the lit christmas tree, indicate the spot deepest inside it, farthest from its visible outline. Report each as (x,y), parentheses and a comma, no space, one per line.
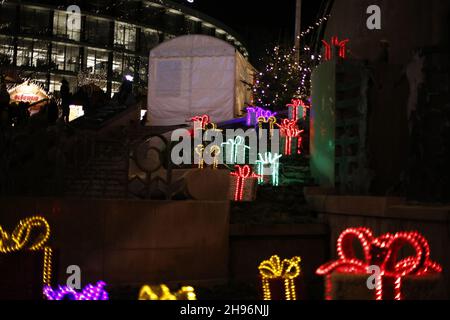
(283,77)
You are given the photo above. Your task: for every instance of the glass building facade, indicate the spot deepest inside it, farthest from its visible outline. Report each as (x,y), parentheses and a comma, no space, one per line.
(45,41)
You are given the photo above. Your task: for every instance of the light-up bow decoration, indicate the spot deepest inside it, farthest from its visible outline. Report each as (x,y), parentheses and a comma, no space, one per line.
(90,292)
(287,270)
(162,292)
(200,122)
(272,160)
(335,43)
(242,173)
(254,113)
(290,130)
(236,148)
(295,105)
(382,252)
(31,234)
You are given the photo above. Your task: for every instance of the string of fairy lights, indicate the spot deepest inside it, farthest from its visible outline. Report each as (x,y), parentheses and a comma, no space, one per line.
(284,77)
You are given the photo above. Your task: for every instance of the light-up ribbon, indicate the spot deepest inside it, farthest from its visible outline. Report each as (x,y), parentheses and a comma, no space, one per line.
(242,173)
(274,268)
(162,292)
(269,159)
(89,292)
(235,144)
(382,252)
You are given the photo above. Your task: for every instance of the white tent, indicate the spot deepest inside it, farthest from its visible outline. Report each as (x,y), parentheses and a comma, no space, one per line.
(194,75)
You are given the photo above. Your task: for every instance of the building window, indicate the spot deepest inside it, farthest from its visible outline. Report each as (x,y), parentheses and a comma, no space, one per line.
(149,40)
(32,53)
(55,83)
(97,31)
(97,61)
(66,57)
(123,64)
(125,36)
(34,21)
(193,26)
(40,52)
(7,17)
(61,29)
(24,53)
(143,70)
(6,51)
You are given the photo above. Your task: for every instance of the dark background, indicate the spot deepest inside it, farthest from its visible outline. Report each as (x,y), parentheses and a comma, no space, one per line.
(260,23)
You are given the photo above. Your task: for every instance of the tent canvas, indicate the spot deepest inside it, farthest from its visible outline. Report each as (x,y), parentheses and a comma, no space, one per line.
(194,75)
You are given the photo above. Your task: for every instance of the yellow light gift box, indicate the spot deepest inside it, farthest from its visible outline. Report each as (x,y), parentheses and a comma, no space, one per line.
(25,247)
(279,278)
(162,292)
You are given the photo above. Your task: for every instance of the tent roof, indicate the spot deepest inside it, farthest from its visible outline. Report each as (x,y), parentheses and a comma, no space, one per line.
(193,46)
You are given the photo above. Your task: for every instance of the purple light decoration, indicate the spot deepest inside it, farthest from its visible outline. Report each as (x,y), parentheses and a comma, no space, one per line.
(254,113)
(89,292)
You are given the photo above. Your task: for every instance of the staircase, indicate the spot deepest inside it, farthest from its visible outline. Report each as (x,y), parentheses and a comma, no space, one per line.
(104,176)
(295,170)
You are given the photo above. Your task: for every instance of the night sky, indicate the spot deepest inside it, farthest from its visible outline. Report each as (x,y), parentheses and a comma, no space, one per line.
(261,24)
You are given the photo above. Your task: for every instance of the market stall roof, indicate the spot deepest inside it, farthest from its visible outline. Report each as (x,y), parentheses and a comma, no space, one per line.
(27,92)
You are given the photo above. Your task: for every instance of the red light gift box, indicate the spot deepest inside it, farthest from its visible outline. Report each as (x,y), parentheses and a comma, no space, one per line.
(297,110)
(348,277)
(25,260)
(243,184)
(291,137)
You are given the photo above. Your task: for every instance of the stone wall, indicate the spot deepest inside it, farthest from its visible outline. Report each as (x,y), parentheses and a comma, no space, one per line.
(132,242)
(383,215)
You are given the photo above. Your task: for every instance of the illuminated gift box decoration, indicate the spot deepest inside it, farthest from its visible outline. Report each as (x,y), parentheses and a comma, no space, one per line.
(297,110)
(254,113)
(214,151)
(90,292)
(31,234)
(236,150)
(243,184)
(268,168)
(162,292)
(274,272)
(382,252)
(335,46)
(266,124)
(291,137)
